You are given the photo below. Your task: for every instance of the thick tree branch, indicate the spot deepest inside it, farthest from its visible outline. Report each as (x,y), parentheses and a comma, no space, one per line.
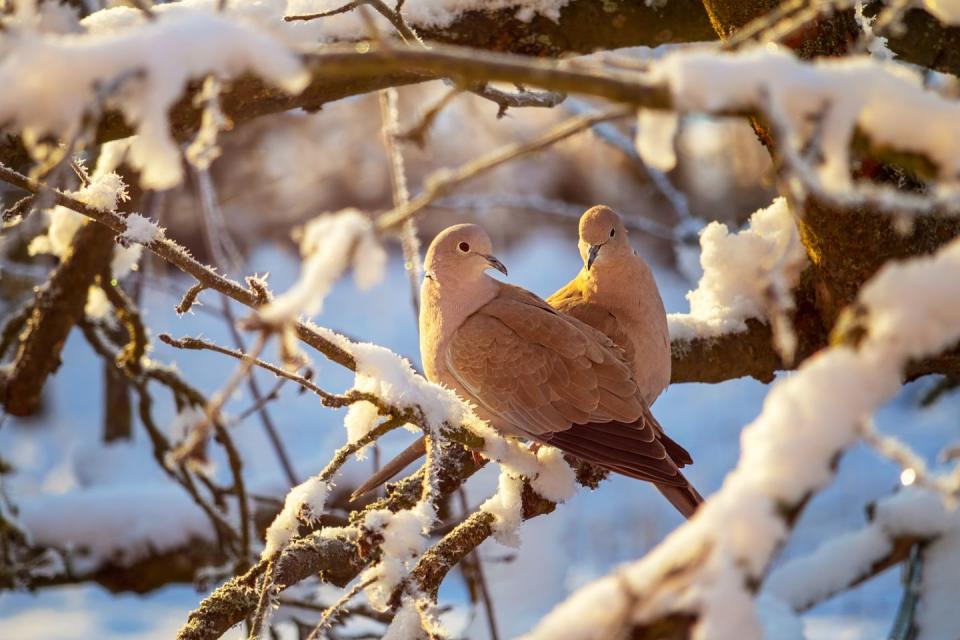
(924,40)
(584,26)
(58,306)
(752,352)
(846,245)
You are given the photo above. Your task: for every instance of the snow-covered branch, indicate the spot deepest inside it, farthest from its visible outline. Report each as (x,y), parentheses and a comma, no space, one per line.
(557,28)
(704,575)
(898,523)
(173,253)
(750,274)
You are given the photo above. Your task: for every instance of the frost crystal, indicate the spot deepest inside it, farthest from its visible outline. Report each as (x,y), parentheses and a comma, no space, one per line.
(506,507)
(141,230)
(305,502)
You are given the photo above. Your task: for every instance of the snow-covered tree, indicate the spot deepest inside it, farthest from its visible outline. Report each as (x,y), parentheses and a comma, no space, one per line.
(850,277)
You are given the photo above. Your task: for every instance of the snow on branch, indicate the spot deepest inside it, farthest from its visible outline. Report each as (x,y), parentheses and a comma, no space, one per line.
(912,515)
(705,573)
(386,385)
(747,274)
(819,109)
(141,72)
(304,503)
(937,613)
(329,243)
(103,190)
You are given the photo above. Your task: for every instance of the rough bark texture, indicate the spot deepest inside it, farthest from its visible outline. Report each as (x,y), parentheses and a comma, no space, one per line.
(845,246)
(58,306)
(925,42)
(337,561)
(848,246)
(750,353)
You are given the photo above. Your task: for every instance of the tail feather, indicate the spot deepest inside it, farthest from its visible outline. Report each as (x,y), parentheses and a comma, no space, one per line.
(685,498)
(392,468)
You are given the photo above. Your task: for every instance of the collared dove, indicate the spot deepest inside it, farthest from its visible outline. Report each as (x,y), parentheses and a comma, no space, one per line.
(534,372)
(615,292)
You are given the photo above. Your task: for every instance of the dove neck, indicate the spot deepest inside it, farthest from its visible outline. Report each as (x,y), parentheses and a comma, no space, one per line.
(444,307)
(624,284)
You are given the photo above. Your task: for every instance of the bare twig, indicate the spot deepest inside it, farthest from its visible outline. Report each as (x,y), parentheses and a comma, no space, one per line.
(363,611)
(401,194)
(793,14)
(193,445)
(523,98)
(418,132)
(396,19)
(189,298)
(196,344)
(176,255)
(227,256)
(608,133)
(335,608)
(161,446)
(476,564)
(442,182)
(270,396)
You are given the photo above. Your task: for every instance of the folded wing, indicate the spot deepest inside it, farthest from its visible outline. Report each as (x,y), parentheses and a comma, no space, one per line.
(563,383)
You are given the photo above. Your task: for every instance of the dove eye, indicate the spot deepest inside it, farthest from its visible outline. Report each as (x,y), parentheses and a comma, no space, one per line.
(613,232)
(464,247)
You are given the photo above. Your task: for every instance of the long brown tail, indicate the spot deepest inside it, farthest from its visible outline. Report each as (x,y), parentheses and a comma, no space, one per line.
(685,498)
(392,468)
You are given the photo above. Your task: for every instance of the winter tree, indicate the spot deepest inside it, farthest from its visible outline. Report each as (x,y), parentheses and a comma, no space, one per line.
(171,409)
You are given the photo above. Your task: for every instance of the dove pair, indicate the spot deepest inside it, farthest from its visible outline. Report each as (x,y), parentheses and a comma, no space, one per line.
(577,372)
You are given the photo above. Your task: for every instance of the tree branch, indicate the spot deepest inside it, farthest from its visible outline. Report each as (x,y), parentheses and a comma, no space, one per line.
(335,560)
(176,255)
(752,352)
(583,27)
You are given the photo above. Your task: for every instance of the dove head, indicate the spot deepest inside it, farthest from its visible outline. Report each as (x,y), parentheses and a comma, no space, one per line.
(461,253)
(602,236)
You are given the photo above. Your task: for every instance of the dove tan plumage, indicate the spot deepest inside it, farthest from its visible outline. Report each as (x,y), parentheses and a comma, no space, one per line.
(616,294)
(534,372)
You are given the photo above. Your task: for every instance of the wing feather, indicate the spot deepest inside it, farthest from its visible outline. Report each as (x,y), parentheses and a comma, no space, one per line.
(559,381)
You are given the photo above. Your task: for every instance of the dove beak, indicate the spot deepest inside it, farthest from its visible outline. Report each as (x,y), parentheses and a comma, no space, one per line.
(496,264)
(592,255)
